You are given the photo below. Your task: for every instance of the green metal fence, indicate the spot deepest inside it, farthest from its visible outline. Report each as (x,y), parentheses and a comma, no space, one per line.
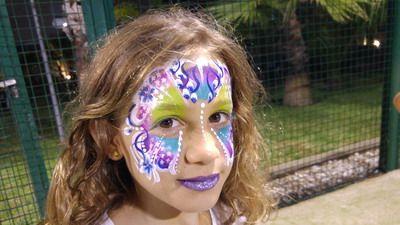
(329,70)
(390,157)
(44,45)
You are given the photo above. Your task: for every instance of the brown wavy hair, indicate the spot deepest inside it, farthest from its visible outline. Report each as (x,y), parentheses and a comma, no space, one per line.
(86,182)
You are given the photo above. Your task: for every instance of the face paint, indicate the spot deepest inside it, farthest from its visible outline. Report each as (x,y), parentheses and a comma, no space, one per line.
(165,94)
(202,106)
(224,136)
(199,80)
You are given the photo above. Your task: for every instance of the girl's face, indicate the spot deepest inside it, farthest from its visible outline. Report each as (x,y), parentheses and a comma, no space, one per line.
(178,134)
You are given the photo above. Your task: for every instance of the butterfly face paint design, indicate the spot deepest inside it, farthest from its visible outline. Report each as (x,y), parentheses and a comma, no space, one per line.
(166,94)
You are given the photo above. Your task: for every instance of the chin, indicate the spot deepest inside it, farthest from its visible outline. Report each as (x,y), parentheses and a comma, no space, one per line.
(199,203)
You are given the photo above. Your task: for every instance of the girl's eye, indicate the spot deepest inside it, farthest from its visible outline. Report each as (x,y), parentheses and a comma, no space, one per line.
(168,123)
(218,117)
(168,127)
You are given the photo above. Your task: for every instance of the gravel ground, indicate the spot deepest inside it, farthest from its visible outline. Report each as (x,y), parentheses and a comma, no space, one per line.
(321,178)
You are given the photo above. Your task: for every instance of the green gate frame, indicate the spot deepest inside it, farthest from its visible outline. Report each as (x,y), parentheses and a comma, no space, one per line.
(390,134)
(99,19)
(22,110)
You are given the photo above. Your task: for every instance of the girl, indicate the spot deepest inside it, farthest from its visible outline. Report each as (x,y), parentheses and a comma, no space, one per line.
(164,131)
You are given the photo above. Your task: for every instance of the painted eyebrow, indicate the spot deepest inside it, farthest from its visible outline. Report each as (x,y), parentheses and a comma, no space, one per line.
(167,109)
(226,104)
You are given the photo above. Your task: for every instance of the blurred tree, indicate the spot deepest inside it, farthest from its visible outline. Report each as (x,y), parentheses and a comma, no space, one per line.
(356,47)
(251,12)
(125,11)
(75,30)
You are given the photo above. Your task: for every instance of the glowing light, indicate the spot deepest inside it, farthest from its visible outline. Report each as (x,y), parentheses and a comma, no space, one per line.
(365,42)
(68,77)
(65,24)
(377,43)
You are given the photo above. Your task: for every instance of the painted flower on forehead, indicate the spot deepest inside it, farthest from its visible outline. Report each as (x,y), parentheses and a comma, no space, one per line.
(166,93)
(158,78)
(146,93)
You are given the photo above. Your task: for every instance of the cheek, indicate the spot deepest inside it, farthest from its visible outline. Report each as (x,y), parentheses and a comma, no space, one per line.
(153,154)
(168,153)
(225,137)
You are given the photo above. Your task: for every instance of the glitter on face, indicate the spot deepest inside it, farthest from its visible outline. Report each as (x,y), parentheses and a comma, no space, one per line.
(202,106)
(167,92)
(174,165)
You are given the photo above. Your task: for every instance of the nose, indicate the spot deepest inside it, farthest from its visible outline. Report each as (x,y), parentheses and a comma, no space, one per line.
(201,148)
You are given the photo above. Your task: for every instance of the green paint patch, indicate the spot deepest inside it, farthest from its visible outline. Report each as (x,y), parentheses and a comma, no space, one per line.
(223,101)
(172,104)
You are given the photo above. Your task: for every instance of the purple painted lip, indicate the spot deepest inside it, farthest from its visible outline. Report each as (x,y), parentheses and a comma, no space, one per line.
(200,183)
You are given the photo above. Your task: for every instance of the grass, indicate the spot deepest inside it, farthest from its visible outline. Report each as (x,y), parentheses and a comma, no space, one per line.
(17,201)
(338,118)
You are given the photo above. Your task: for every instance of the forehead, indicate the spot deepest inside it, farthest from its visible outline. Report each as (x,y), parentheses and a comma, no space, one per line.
(199,79)
(182,85)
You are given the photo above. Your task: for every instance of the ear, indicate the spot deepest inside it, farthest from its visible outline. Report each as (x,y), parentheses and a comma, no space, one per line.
(396,101)
(116,148)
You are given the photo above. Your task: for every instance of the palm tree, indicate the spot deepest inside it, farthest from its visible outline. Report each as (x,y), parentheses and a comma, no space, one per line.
(76,32)
(297,83)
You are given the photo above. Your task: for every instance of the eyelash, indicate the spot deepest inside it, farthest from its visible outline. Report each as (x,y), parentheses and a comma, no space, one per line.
(226,115)
(167,118)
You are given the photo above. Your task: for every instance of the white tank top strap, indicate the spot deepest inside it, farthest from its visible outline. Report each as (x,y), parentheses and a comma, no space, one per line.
(214,220)
(106,220)
(220,214)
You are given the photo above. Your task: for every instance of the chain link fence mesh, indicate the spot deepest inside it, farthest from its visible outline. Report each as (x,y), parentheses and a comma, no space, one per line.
(323,65)
(42,38)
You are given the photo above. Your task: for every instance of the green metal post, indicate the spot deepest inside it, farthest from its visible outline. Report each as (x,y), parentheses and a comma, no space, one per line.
(22,110)
(99,18)
(392,161)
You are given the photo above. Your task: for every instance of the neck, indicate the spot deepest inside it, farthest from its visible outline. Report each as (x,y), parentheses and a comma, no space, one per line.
(131,214)
(182,218)
(147,209)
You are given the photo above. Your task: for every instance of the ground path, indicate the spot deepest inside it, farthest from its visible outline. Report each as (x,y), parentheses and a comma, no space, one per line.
(372,201)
